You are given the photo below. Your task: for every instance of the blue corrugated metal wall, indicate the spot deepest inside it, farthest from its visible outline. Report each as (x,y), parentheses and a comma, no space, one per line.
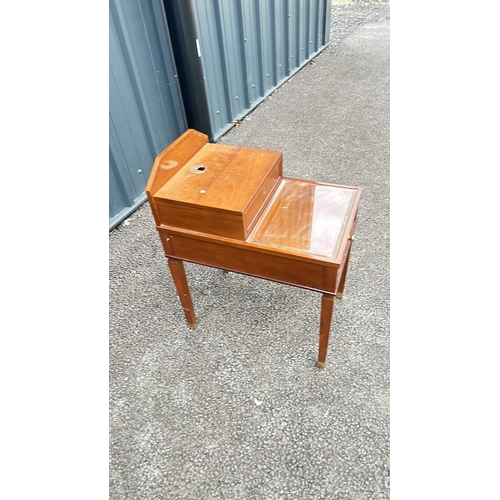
(250,47)
(145,103)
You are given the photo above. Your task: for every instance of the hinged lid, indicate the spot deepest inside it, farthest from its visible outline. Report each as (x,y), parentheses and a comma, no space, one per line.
(220,189)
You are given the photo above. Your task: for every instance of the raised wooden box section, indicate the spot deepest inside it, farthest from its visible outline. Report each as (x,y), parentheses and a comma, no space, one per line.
(218,189)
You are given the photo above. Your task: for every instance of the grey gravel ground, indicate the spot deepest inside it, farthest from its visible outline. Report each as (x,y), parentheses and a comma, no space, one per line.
(237,409)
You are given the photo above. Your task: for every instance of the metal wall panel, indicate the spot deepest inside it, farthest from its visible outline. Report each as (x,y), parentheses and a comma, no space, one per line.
(247,48)
(250,47)
(146,113)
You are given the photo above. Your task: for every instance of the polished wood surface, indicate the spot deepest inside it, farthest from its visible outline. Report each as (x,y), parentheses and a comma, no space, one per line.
(179,276)
(240,214)
(286,223)
(170,161)
(220,190)
(306,216)
(247,259)
(254,247)
(343,274)
(327,302)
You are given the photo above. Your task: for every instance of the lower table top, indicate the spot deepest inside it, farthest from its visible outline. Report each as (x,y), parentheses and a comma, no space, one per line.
(306,217)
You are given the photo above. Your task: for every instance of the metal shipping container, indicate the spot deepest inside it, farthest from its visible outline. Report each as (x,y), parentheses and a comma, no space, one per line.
(202,64)
(146,112)
(234,53)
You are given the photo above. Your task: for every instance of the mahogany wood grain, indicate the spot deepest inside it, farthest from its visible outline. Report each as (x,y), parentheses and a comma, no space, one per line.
(261,198)
(345,246)
(308,217)
(210,222)
(233,186)
(239,213)
(179,276)
(290,255)
(330,275)
(343,273)
(327,302)
(170,161)
(287,222)
(231,178)
(244,260)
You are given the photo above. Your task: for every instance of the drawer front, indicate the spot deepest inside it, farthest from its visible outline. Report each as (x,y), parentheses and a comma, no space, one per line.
(277,268)
(201,219)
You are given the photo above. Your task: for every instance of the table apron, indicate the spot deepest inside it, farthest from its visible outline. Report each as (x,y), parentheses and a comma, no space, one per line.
(317,277)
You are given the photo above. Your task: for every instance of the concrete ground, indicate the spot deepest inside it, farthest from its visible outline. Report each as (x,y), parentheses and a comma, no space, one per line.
(237,408)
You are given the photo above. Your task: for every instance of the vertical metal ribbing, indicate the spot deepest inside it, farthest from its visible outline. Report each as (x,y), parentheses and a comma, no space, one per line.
(312,41)
(225,76)
(278,37)
(296,38)
(258,43)
(288,43)
(280,23)
(146,112)
(159,86)
(306,50)
(244,99)
(132,70)
(321,24)
(328,16)
(274,56)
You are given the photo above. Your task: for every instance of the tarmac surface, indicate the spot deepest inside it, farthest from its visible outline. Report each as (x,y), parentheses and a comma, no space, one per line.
(237,409)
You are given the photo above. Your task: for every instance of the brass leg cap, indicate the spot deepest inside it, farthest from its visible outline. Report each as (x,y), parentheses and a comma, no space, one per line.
(339,295)
(320,364)
(192,326)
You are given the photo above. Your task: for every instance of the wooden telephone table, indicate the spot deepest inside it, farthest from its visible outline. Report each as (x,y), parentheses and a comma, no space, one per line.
(230,207)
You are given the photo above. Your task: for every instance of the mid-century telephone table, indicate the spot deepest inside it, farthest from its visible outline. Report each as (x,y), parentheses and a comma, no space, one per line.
(231,208)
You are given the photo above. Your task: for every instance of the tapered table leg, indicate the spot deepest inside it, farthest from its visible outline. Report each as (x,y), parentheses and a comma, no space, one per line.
(179,276)
(324,330)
